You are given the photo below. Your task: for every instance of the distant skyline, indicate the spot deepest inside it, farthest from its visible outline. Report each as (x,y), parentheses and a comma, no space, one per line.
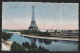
(18,15)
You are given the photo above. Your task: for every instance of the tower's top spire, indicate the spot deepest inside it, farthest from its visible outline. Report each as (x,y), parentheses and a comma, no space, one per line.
(33,19)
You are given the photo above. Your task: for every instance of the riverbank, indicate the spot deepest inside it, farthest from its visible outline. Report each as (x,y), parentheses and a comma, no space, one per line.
(51,38)
(7,44)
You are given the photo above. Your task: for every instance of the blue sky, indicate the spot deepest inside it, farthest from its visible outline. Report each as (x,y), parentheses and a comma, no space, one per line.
(18,15)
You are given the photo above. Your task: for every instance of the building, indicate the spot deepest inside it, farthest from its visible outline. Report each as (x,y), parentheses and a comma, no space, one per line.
(33,25)
(63,32)
(69,32)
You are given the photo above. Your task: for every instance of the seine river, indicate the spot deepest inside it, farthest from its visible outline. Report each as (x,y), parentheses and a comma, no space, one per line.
(52,45)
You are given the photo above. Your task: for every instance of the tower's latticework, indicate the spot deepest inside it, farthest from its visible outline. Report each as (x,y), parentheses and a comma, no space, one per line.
(33,25)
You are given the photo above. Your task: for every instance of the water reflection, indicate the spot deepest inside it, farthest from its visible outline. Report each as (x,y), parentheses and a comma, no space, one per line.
(55,40)
(52,45)
(45,41)
(69,42)
(40,40)
(33,47)
(33,40)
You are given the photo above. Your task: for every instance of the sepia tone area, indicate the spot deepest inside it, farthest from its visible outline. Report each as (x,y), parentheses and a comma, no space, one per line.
(33,26)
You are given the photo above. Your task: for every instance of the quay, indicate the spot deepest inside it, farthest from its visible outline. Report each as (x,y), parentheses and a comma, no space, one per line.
(50,38)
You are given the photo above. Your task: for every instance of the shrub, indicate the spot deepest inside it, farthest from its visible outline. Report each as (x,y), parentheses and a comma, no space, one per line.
(42,49)
(17,47)
(6,36)
(26,44)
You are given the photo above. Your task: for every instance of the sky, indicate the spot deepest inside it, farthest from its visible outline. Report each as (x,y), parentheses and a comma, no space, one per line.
(18,15)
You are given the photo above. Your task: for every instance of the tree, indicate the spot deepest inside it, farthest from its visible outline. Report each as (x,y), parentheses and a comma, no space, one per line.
(6,36)
(33,47)
(26,44)
(39,33)
(42,49)
(17,47)
(43,33)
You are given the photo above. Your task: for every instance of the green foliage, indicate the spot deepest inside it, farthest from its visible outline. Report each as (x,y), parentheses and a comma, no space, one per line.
(42,49)
(43,33)
(26,44)
(14,31)
(6,36)
(38,33)
(17,47)
(33,47)
(25,32)
(28,32)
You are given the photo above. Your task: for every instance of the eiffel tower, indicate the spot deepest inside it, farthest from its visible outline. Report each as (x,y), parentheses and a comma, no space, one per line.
(33,25)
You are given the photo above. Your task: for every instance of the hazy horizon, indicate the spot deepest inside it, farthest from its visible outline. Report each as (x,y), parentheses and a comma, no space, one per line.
(18,15)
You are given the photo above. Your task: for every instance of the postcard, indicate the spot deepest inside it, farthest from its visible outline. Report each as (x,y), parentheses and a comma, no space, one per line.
(39,26)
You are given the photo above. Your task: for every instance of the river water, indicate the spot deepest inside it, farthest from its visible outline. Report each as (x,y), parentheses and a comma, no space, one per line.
(52,45)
